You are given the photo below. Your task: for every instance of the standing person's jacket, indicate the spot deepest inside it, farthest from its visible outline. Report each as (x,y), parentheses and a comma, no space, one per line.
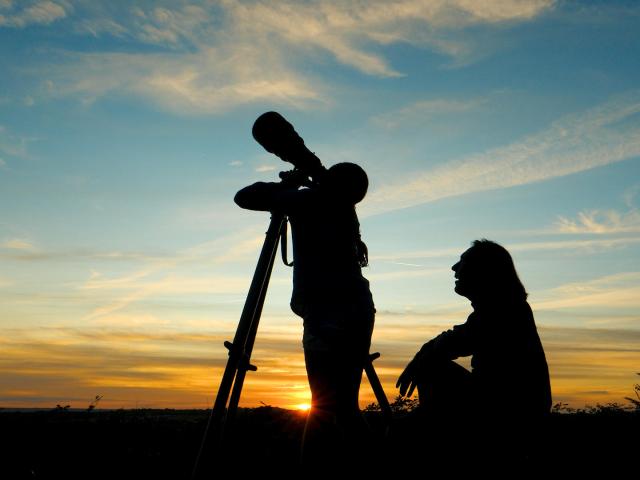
(326,272)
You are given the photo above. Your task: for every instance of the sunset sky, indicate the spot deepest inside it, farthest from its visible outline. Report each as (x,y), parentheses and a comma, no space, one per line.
(125,131)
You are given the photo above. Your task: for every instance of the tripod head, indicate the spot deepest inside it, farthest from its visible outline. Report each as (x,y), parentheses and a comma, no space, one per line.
(277,136)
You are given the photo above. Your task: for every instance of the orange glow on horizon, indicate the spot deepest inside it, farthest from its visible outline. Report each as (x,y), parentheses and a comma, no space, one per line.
(168,369)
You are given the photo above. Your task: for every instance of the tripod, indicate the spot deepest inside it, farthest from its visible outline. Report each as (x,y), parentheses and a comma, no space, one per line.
(228,397)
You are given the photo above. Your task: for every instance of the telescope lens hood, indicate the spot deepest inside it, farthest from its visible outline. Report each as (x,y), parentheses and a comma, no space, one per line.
(274,132)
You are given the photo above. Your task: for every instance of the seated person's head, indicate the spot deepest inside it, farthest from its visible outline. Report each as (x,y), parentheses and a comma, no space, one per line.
(486,271)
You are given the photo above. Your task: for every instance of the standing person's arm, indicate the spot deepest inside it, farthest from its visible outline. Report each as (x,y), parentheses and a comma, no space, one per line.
(272,197)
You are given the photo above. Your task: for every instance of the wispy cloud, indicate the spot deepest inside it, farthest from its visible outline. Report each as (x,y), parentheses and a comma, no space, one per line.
(424,110)
(24,13)
(230,248)
(348,30)
(167,367)
(403,274)
(569,145)
(119,279)
(40,255)
(211,80)
(611,292)
(173,25)
(630,194)
(167,284)
(600,222)
(13,145)
(216,57)
(578,246)
(17,244)
(164,367)
(164,276)
(589,365)
(574,245)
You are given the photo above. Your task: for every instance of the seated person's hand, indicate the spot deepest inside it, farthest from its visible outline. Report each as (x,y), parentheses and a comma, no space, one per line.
(407,380)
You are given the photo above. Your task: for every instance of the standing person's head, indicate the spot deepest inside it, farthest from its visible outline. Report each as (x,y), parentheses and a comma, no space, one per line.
(344,185)
(486,272)
(346,181)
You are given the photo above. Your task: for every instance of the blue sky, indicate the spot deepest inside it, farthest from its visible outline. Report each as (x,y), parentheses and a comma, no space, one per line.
(125,132)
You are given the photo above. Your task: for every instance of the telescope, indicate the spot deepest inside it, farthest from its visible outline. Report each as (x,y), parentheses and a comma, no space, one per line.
(277,136)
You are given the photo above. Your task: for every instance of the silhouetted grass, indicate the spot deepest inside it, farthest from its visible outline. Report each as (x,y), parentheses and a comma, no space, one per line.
(154,444)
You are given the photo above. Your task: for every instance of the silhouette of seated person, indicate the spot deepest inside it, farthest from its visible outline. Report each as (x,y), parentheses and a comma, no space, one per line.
(507,391)
(329,291)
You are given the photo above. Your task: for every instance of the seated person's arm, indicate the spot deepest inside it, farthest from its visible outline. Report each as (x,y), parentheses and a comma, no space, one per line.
(449,345)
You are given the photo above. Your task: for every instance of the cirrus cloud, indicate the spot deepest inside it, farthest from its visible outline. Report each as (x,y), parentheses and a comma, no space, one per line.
(17,244)
(601,222)
(574,143)
(211,57)
(22,14)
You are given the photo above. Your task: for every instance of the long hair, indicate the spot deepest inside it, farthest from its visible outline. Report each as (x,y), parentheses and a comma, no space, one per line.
(495,268)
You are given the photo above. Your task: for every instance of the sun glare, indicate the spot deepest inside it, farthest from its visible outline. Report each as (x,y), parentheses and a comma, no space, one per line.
(303,407)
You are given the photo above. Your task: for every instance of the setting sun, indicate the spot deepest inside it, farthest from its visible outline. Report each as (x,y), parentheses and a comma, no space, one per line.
(303,407)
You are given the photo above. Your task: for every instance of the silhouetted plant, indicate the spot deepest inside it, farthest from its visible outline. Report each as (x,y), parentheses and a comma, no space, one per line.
(635,401)
(603,409)
(404,404)
(606,409)
(399,405)
(372,407)
(61,408)
(94,403)
(562,408)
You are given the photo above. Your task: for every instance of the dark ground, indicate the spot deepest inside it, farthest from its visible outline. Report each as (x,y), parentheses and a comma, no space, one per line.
(154,444)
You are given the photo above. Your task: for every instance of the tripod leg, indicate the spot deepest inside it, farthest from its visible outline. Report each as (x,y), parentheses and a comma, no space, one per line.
(378,391)
(237,350)
(248,349)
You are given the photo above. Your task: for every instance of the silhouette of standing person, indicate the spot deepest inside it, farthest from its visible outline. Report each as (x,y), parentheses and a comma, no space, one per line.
(507,392)
(329,291)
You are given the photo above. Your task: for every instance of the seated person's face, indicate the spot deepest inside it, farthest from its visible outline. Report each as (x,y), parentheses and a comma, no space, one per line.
(465,276)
